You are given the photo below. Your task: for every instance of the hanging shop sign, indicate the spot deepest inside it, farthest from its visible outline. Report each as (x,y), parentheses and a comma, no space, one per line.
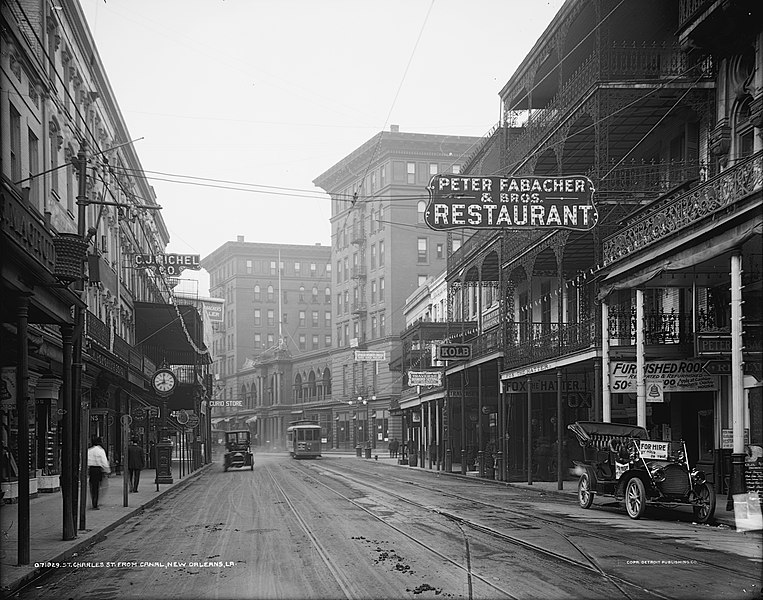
(169,264)
(511,203)
(424,378)
(370,355)
(662,376)
(214,311)
(454,352)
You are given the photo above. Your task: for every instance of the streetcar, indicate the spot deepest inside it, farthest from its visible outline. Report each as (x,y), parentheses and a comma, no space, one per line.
(304,439)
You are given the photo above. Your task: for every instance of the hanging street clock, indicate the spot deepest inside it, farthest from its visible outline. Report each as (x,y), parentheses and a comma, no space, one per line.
(164,382)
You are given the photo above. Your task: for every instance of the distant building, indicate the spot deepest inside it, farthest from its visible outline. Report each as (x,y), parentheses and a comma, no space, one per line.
(271,348)
(381,252)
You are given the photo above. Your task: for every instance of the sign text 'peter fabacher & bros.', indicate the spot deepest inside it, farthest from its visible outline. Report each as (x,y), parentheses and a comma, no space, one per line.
(511,203)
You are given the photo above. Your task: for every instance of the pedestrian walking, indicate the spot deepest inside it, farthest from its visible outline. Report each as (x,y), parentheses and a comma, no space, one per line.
(97,464)
(135,463)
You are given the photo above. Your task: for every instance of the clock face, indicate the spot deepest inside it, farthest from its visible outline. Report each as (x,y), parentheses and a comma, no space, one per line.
(164,381)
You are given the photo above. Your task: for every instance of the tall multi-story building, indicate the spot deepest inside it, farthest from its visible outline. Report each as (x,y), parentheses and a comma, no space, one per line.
(381,252)
(75,340)
(270,351)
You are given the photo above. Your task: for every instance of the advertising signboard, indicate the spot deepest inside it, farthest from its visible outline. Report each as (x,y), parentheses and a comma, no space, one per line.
(511,203)
(662,376)
(370,355)
(170,264)
(454,352)
(424,378)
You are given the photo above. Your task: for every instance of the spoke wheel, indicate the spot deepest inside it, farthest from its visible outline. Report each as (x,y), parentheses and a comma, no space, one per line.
(705,508)
(585,495)
(635,498)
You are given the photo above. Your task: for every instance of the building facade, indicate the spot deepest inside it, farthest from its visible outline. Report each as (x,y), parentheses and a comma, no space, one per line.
(381,252)
(73,214)
(662,114)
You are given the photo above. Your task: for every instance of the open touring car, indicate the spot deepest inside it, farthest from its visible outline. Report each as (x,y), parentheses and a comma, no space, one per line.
(619,460)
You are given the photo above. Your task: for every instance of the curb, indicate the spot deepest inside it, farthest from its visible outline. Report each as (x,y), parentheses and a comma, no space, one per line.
(23,581)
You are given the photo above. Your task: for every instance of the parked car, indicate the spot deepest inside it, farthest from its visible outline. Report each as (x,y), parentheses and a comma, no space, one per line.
(621,461)
(238,450)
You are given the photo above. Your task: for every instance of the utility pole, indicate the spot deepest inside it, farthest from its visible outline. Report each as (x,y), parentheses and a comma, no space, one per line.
(78,475)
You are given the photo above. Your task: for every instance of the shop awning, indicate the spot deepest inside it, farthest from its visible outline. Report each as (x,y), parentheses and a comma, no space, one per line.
(170,334)
(217,420)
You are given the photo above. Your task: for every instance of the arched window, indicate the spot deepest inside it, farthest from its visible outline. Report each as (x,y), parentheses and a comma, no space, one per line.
(271,294)
(422,207)
(257,294)
(744,134)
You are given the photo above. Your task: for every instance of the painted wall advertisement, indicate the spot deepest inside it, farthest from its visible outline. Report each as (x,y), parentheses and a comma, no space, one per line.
(660,377)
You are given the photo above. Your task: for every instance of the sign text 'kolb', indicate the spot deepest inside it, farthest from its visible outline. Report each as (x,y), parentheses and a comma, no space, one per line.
(511,203)
(454,352)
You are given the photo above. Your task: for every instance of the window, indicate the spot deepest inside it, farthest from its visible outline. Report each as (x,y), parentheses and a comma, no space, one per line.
(273,268)
(373,291)
(302,341)
(383,175)
(373,327)
(34,168)
(257,317)
(301,293)
(271,340)
(373,221)
(456,169)
(249,267)
(327,296)
(381,217)
(381,253)
(440,251)
(433,169)
(327,341)
(338,271)
(315,318)
(422,279)
(346,268)
(410,169)
(257,341)
(346,302)
(297,269)
(315,342)
(456,245)
(302,318)
(339,336)
(339,303)
(313,269)
(271,317)
(744,130)
(381,289)
(373,256)
(54,144)
(284,317)
(315,294)
(327,319)
(421,210)
(423,252)
(271,294)
(15,145)
(382,325)
(328,270)
(285,296)
(282,268)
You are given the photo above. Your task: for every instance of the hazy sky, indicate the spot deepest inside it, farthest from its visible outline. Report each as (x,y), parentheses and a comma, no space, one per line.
(267,95)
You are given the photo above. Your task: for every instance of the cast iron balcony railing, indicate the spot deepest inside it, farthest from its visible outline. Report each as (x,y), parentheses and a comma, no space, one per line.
(358,273)
(531,342)
(660,328)
(722,192)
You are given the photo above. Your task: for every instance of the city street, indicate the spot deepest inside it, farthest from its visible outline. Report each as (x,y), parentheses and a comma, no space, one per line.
(341,527)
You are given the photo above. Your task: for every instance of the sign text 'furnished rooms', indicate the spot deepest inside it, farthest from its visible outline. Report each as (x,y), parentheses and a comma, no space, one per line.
(511,203)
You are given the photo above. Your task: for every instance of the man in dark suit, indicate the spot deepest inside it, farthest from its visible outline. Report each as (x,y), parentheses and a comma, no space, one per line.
(135,463)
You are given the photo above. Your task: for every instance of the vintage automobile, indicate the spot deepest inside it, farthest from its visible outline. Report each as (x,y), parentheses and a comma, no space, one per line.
(238,450)
(619,460)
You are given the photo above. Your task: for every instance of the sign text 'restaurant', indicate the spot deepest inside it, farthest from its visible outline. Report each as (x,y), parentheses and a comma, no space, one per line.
(511,203)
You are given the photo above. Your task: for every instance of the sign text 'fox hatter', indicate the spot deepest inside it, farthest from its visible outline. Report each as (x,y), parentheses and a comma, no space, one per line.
(511,203)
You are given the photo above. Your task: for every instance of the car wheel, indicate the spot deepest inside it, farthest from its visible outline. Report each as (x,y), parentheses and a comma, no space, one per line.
(705,507)
(585,495)
(635,498)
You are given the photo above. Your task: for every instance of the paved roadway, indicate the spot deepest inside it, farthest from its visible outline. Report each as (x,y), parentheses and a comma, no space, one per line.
(339,527)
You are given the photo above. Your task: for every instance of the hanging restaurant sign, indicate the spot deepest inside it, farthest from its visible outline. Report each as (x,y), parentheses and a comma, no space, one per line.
(511,203)
(170,264)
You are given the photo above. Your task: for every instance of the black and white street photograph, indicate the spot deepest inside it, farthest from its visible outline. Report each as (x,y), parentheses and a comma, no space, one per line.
(381,299)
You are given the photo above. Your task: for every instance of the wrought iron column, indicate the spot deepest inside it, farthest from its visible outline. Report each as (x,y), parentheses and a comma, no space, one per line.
(606,396)
(736,485)
(640,361)
(529,432)
(22,410)
(69,531)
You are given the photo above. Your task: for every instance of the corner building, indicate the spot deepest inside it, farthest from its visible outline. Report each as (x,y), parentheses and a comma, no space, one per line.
(381,252)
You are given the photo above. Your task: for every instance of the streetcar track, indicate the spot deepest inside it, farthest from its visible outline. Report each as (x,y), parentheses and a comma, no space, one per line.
(335,572)
(551,522)
(489,531)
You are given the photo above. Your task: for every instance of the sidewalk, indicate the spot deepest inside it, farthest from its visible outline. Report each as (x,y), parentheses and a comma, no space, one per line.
(46,528)
(722,517)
